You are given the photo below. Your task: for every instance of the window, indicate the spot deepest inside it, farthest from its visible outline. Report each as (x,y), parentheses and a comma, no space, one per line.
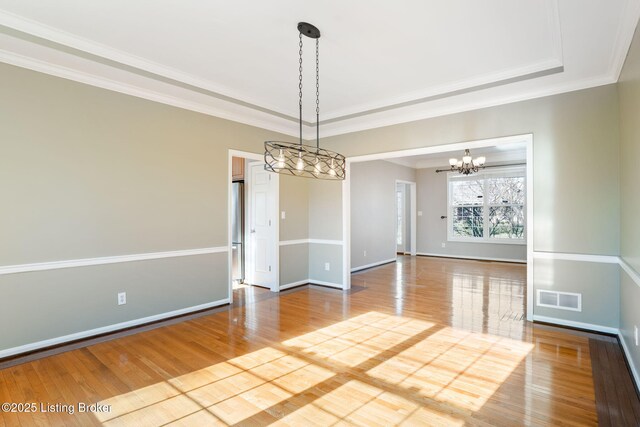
(488,206)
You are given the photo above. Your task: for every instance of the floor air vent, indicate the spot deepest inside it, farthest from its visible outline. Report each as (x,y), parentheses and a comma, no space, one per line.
(561,300)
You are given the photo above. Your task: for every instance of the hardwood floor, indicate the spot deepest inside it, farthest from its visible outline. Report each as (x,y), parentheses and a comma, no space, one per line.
(616,397)
(425,341)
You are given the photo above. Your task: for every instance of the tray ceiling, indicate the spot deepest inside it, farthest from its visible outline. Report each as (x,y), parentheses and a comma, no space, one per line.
(381,62)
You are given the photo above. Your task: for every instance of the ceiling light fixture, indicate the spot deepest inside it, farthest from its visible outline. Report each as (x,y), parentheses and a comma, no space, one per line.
(296,158)
(467,165)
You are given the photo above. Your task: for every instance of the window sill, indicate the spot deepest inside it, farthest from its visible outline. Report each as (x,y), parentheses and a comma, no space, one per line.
(491,242)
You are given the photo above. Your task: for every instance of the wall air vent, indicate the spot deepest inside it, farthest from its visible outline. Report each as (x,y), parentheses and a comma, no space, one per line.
(560,300)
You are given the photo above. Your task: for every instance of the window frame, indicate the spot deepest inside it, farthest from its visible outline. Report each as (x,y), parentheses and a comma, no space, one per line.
(485,175)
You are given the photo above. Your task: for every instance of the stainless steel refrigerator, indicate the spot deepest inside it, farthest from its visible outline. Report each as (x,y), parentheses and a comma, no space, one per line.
(237,231)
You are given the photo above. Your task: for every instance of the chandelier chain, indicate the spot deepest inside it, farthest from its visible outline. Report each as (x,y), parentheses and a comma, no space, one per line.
(300,85)
(318,93)
(317,77)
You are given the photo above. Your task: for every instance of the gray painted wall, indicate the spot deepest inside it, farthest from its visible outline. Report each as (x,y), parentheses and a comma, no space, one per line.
(576,210)
(294,263)
(599,284)
(373,210)
(325,210)
(325,223)
(432,230)
(294,201)
(630,315)
(41,305)
(629,94)
(319,255)
(87,173)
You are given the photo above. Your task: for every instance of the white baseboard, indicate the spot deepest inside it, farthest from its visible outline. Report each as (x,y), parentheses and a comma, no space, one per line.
(480,258)
(579,325)
(311,282)
(105,329)
(294,284)
(373,264)
(322,283)
(627,353)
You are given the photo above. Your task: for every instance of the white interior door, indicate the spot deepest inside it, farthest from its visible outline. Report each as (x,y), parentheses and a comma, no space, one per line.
(263,227)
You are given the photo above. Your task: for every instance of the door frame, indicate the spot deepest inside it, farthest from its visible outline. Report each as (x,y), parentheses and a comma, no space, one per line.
(412,212)
(253,157)
(442,148)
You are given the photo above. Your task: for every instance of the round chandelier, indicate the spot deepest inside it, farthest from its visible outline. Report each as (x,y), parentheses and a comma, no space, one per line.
(296,158)
(467,165)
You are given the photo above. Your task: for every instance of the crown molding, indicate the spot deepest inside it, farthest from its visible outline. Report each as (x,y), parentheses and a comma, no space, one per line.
(241,114)
(624,36)
(551,66)
(401,116)
(40,30)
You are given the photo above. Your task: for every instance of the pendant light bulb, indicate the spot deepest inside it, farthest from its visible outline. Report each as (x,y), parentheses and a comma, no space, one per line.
(467,157)
(280,164)
(300,163)
(332,171)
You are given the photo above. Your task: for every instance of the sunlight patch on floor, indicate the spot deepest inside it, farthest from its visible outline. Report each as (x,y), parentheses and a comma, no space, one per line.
(454,366)
(371,369)
(359,339)
(359,403)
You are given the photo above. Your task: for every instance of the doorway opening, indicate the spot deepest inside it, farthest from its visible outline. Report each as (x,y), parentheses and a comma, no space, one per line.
(253,226)
(405,217)
(238,222)
(501,222)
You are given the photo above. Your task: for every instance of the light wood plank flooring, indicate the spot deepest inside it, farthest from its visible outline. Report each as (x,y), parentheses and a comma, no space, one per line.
(425,341)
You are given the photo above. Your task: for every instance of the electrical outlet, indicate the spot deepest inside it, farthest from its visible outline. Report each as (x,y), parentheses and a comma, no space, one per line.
(365,253)
(327,266)
(122,298)
(636,335)
(419,213)
(444,245)
(283,215)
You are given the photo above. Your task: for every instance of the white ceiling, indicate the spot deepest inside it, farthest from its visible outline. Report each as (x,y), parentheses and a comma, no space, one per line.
(380,62)
(515,152)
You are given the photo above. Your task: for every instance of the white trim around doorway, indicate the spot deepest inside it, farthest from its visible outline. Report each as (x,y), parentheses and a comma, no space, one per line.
(346,197)
(255,157)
